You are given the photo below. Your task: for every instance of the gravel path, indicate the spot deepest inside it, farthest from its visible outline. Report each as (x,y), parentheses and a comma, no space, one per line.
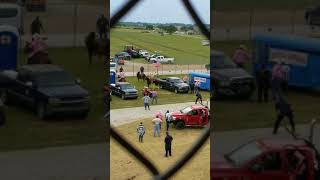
(128,115)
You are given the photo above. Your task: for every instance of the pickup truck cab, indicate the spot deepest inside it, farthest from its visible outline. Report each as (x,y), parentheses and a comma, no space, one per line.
(173,84)
(266,159)
(113,67)
(190,116)
(162,60)
(46,88)
(228,79)
(124,90)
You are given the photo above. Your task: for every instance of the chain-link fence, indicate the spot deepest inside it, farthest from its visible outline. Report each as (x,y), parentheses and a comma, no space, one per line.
(121,140)
(242,25)
(66,25)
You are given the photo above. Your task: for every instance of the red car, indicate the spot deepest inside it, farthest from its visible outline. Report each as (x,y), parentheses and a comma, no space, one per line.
(195,115)
(268,159)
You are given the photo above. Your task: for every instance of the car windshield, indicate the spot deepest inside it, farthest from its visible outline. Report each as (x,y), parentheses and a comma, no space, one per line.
(112,65)
(186,110)
(176,81)
(222,62)
(244,154)
(58,78)
(126,86)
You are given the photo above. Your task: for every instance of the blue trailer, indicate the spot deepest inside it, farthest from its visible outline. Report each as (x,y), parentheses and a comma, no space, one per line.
(204,79)
(300,54)
(8,47)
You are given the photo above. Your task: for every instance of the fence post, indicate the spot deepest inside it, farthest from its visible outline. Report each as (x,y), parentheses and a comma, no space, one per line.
(75,19)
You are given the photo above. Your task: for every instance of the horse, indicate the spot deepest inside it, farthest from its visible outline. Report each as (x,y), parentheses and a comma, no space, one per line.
(38,58)
(95,46)
(141,76)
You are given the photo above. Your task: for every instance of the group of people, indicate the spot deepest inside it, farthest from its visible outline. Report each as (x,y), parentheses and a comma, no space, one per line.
(149,94)
(141,130)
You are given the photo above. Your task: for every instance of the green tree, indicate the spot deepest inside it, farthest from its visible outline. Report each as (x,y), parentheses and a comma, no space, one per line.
(149,27)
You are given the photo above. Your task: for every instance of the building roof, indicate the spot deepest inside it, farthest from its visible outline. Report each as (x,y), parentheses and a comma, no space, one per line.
(289,42)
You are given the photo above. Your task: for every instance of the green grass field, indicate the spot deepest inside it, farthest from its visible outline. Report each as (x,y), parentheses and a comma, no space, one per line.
(232,114)
(24,130)
(229,5)
(164,96)
(185,49)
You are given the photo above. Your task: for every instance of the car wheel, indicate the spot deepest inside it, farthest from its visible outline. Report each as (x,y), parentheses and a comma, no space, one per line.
(180,125)
(123,97)
(176,91)
(4,97)
(41,110)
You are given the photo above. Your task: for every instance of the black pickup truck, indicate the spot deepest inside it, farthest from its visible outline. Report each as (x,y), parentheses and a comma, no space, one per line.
(228,79)
(46,88)
(124,90)
(172,84)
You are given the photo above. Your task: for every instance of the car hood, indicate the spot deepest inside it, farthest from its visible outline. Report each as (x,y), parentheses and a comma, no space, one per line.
(230,73)
(176,113)
(130,90)
(182,85)
(220,162)
(64,91)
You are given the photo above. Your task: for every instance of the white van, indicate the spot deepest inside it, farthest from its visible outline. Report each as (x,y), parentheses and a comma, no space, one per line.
(11,14)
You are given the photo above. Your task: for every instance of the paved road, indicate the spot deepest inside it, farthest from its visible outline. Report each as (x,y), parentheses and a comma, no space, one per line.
(127,115)
(223,142)
(85,162)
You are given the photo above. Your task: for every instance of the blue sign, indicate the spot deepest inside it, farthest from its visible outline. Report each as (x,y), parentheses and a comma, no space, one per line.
(8,47)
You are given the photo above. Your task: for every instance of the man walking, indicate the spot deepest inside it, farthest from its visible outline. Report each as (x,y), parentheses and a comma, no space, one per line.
(154,96)
(263,77)
(146,100)
(167,116)
(36,26)
(167,141)
(141,131)
(199,97)
(102,24)
(283,110)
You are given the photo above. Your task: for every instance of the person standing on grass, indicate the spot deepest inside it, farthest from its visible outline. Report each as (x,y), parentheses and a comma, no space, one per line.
(241,56)
(167,141)
(141,70)
(263,77)
(141,131)
(146,100)
(283,110)
(167,116)
(197,85)
(36,26)
(199,97)
(191,85)
(156,130)
(154,96)
(121,69)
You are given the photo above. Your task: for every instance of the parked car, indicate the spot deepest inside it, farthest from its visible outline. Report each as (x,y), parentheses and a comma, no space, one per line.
(47,88)
(131,50)
(312,16)
(124,90)
(190,116)
(123,55)
(162,60)
(228,79)
(113,67)
(152,56)
(144,53)
(172,84)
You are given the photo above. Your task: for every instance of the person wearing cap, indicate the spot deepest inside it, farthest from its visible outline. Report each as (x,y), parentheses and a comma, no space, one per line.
(241,56)
(36,26)
(141,131)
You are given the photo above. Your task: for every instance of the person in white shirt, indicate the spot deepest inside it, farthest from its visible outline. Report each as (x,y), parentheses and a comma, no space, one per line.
(168,116)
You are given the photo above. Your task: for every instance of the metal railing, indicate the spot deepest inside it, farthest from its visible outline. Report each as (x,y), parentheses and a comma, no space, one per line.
(123,142)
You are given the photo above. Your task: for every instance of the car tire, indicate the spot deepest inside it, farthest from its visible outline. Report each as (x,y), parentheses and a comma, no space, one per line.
(180,125)
(41,110)
(176,91)
(123,97)
(5,97)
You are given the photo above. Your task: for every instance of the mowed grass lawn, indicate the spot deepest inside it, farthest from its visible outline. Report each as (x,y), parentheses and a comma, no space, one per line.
(231,115)
(164,96)
(124,166)
(185,49)
(229,5)
(24,130)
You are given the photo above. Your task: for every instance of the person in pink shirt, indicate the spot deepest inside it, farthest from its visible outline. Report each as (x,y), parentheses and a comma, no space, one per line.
(241,56)
(154,96)
(37,45)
